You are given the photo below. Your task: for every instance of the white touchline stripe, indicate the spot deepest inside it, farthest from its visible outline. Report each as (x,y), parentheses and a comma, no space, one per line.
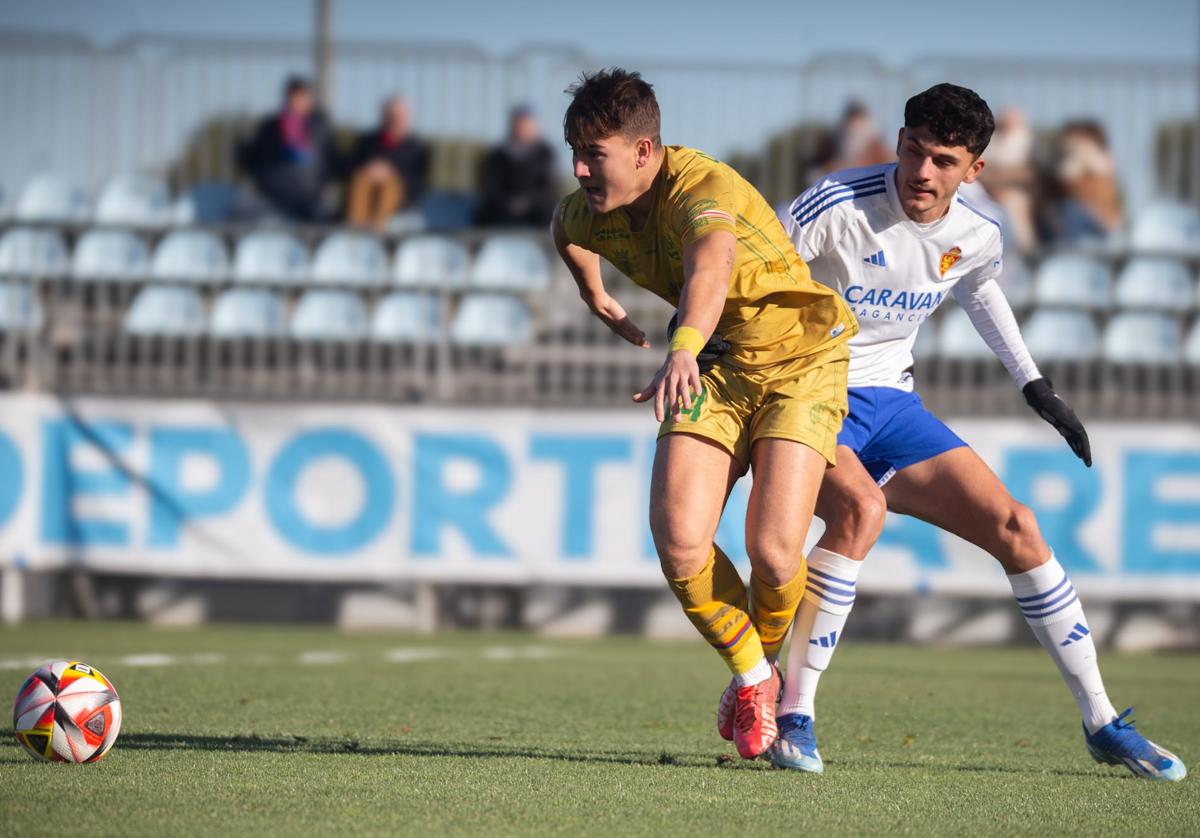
(414,655)
(207,658)
(311,657)
(507,653)
(147,660)
(320,657)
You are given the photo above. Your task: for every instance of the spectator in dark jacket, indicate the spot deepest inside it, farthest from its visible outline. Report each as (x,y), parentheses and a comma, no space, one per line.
(389,167)
(516,179)
(292,157)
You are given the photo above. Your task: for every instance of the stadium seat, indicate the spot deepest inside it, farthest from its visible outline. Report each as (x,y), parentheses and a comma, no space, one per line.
(166,310)
(430,262)
(270,256)
(27,252)
(1142,338)
(958,339)
(350,259)
(406,316)
(1155,283)
(926,344)
(447,212)
(491,320)
(1191,346)
(248,313)
(110,254)
(51,198)
(329,315)
(510,263)
(136,200)
(1058,335)
(1170,227)
(205,203)
(20,309)
(1074,281)
(194,255)
(1015,282)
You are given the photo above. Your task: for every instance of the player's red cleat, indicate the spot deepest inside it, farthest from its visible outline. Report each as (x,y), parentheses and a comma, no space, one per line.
(725,711)
(754,717)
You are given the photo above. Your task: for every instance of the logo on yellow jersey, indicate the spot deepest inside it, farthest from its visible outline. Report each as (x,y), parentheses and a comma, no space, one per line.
(948,259)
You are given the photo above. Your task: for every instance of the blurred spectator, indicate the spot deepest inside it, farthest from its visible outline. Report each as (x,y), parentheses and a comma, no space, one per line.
(855,142)
(1010,178)
(516,179)
(388,168)
(292,157)
(1087,201)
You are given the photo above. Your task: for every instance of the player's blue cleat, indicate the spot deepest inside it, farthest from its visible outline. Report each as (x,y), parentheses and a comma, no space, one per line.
(1118,743)
(796,745)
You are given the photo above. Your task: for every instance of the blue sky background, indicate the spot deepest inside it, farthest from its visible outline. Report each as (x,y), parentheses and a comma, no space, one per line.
(771,30)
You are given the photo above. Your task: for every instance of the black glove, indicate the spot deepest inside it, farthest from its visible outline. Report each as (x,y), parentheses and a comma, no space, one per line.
(1040,395)
(712,351)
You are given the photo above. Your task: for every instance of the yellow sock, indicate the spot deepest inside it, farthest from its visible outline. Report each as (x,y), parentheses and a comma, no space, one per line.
(772,609)
(715,601)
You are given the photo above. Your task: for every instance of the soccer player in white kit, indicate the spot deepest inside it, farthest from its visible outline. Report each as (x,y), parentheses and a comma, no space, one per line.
(896,240)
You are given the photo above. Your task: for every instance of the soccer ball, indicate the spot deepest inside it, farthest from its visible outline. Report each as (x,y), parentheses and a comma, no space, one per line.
(67,712)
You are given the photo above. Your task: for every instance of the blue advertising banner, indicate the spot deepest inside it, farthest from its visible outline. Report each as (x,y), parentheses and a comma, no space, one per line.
(390,493)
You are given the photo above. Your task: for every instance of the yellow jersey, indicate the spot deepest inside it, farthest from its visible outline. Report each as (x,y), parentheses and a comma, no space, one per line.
(774,310)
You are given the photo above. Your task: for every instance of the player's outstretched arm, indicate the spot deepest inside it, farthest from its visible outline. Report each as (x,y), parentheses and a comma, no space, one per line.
(707,269)
(584,266)
(992,317)
(1040,395)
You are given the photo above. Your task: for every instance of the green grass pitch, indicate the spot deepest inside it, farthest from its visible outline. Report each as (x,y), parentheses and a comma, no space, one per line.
(247,730)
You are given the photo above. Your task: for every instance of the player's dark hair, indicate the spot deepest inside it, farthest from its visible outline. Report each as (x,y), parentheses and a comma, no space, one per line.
(953,115)
(296,84)
(610,102)
(1089,128)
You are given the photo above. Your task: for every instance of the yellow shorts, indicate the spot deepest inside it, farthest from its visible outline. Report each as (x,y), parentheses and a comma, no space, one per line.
(803,400)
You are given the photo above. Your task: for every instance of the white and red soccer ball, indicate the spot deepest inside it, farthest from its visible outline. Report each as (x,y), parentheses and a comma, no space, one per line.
(67,712)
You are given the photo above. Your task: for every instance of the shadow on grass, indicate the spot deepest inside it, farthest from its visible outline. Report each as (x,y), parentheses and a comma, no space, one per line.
(331,745)
(335,745)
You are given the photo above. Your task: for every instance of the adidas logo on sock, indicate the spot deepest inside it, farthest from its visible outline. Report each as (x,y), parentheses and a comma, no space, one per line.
(876,259)
(827,641)
(1078,632)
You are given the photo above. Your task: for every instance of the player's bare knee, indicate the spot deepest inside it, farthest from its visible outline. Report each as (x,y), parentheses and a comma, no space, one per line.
(854,520)
(775,557)
(869,513)
(1019,541)
(681,552)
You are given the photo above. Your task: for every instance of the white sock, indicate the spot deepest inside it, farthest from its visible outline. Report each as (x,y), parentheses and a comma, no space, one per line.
(819,622)
(1048,600)
(760,672)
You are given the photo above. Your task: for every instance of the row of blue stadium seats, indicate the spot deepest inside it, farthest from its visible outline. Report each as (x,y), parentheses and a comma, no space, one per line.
(140,200)
(128,199)
(486,318)
(505,262)
(1076,280)
(1134,337)
(481,319)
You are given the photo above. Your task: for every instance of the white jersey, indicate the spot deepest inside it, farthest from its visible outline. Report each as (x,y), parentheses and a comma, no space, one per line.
(852,231)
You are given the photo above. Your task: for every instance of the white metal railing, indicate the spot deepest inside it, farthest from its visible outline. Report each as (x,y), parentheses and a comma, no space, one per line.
(175,106)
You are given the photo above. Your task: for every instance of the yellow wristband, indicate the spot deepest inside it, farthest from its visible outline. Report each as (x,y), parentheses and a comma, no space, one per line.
(688,338)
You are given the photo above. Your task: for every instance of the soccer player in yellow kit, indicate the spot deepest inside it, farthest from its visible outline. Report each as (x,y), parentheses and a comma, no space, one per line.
(691,230)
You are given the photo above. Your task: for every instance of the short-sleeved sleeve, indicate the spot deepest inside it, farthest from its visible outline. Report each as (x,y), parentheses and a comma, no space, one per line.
(576,219)
(703,207)
(813,227)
